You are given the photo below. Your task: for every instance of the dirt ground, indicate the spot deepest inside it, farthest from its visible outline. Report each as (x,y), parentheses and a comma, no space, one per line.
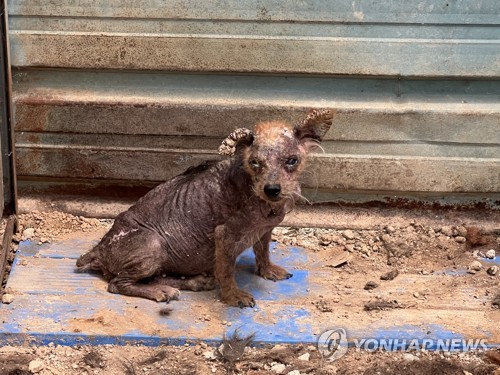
(407,246)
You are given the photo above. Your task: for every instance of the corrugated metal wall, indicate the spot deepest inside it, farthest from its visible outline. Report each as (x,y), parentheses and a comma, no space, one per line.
(130,91)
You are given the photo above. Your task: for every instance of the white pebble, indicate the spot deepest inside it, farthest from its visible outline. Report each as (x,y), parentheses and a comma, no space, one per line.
(475,266)
(36,366)
(304,357)
(28,233)
(348,234)
(209,354)
(7,298)
(278,368)
(409,357)
(490,254)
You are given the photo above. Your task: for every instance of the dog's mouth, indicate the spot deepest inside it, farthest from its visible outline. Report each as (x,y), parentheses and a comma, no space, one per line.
(274,199)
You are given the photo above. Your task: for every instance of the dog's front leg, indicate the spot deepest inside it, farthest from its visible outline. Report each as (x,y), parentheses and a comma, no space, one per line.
(225,259)
(265,267)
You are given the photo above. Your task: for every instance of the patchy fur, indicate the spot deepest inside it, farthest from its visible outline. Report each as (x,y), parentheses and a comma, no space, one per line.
(187,232)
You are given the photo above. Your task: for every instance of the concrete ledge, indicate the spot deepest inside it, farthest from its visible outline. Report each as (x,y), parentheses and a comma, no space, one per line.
(340,215)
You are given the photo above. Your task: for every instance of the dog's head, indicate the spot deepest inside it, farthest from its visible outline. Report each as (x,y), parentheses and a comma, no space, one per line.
(274,154)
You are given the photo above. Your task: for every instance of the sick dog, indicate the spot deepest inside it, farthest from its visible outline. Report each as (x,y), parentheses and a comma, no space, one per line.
(187,232)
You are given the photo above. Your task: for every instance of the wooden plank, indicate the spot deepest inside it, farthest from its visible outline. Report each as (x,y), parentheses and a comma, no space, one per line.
(53,304)
(6,242)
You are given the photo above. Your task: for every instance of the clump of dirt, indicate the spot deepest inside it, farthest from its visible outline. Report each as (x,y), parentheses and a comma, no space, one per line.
(45,227)
(426,366)
(391,275)
(50,226)
(383,305)
(201,359)
(409,246)
(94,359)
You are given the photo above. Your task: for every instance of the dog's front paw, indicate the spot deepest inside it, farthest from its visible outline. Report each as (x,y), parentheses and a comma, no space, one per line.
(238,298)
(274,273)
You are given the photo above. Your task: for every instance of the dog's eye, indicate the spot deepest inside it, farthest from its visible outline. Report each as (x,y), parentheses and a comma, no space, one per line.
(292,161)
(254,164)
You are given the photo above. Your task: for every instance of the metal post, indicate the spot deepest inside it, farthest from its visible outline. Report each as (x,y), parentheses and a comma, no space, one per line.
(6,119)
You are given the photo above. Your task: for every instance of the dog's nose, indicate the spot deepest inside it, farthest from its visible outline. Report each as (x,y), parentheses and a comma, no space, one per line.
(272,190)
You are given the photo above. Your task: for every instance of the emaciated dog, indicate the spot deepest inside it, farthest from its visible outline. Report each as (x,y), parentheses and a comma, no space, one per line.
(187,232)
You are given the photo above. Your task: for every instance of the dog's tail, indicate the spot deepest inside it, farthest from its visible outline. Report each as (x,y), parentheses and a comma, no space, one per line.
(88,262)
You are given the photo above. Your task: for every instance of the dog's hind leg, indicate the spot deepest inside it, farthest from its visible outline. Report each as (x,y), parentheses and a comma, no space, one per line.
(265,267)
(195,283)
(156,292)
(141,257)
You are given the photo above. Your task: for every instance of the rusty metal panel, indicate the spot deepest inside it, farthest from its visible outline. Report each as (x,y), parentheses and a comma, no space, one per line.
(369,110)
(388,135)
(359,11)
(8,202)
(428,38)
(332,172)
(105,90)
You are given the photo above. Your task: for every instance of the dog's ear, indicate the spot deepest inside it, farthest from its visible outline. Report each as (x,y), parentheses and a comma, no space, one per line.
(240,137)
(314,126)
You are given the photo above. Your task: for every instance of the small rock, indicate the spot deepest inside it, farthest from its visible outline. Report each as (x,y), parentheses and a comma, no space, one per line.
(7,298)
(370,285)
(278,368)
(305,357)
(490,254)
(277,348)
(349,247)
(294,372)
(391,275)
(390,229)
(209,354)
(460,239)
(474,266)
(28,233)
(325,240)
(462,231)
(36,366)
(447,231)
(493,270)
(409,357)
(348,234)
(416,295)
